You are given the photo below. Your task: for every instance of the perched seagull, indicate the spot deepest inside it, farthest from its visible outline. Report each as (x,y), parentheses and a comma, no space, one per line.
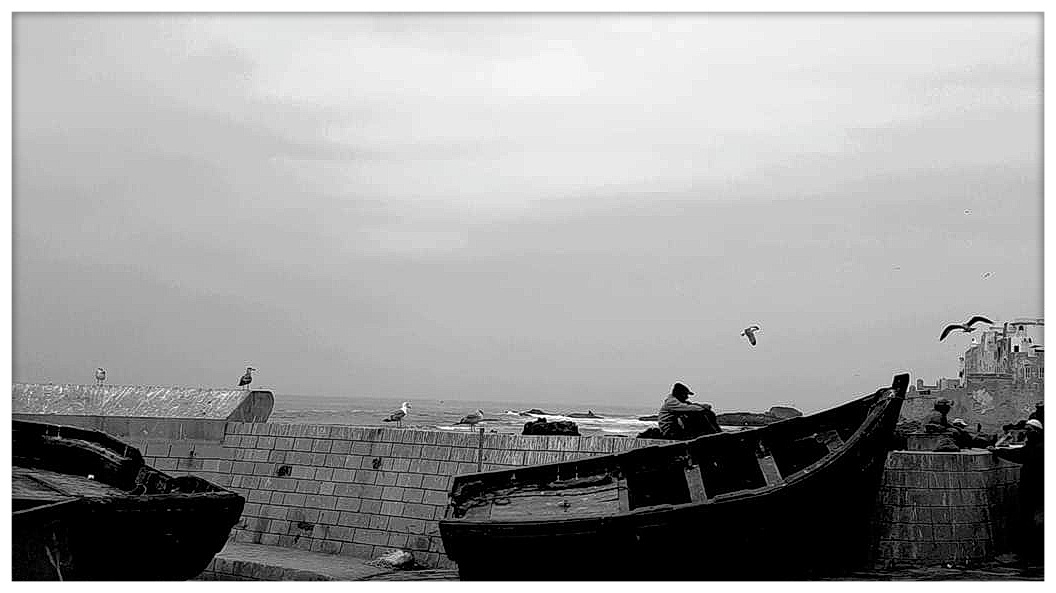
(749,332)
(966,328)
(100,376)
(473,418)
(247,378)
(398,415)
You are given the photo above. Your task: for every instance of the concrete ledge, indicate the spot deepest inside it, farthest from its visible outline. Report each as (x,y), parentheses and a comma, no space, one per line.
(142,401)
(256,562)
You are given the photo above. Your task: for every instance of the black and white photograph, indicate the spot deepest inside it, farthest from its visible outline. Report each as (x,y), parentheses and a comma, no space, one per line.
(527,296)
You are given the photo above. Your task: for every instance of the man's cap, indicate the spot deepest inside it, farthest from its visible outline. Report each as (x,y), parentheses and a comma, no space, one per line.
(942,401)
(680,389)
(1035,423)
(959,422)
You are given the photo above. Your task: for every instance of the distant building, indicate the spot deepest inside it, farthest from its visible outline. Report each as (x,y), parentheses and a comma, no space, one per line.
(1001,377)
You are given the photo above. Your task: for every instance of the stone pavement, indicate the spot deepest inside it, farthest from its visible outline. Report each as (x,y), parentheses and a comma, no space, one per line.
(256,562)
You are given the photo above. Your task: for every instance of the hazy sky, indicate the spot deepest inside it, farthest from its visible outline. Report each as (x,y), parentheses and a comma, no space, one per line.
(522,207)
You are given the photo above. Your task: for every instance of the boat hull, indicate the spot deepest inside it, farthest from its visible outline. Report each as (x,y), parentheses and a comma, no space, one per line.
(815,524)
(86,508)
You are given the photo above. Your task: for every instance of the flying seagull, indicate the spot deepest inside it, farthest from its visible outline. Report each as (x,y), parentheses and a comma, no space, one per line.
(100,376)
(966,328)
(473,418)
(247,378)
(749,332)
(398,415)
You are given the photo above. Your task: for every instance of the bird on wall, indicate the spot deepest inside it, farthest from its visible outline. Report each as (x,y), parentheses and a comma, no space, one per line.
(473,418)
(246,378)
(398,415)
(966,327)
(749,332)
(100,375)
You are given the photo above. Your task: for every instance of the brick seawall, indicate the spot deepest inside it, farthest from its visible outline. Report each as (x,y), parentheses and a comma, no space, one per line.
(362,491)
(358,491)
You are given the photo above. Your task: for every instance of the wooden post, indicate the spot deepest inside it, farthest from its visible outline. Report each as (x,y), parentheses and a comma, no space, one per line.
(480,450)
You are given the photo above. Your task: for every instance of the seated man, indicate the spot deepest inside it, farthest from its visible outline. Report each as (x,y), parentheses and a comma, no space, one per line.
(681,419)
(937,423)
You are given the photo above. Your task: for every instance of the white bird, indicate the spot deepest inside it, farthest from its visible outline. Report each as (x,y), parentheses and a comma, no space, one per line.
(398,415)
(749,332)
(473,418)
(100,376)
(247,378)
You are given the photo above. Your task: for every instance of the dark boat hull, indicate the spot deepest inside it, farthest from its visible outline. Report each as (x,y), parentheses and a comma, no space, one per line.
(148,526)
(815,524)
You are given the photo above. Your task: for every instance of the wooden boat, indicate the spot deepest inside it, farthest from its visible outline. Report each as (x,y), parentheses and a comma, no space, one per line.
(86,507)
(789,500)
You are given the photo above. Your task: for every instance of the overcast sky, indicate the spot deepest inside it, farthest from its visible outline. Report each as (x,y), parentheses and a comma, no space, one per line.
(522,207)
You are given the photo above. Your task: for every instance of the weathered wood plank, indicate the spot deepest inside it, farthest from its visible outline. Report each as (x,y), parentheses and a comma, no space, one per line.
(695,481)
(771,474)
(556,504)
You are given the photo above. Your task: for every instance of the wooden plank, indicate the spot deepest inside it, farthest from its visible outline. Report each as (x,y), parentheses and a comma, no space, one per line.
(624,495)
(770,472)
(557,504)
(695,481)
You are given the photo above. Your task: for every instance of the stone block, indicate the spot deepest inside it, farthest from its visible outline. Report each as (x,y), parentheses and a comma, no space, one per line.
(433,482)
(435,497)
(365,476)
(413,495)
(370,505)
(299,458)
(353,519)
(308,486)
(370,536)
(397,540)
(294,499)
(347,503)
(340,533)
(357,550)
(321,445)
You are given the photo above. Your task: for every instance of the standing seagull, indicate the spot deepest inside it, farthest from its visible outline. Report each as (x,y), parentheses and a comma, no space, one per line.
(966,328)
(749,332)
(473,418)
(100,376)
(398,415)
(247,378)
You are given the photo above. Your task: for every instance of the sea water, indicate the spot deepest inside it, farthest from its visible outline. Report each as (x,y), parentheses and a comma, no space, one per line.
(501,417)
